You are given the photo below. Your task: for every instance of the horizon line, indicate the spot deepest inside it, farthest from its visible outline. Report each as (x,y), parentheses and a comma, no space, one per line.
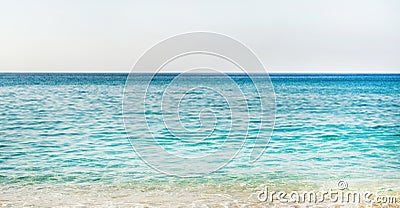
(173,72)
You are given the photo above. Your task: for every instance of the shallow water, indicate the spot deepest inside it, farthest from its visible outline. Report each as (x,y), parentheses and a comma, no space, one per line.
(67,130)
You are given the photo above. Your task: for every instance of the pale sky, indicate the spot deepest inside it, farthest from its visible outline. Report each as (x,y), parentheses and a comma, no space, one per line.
(356,36)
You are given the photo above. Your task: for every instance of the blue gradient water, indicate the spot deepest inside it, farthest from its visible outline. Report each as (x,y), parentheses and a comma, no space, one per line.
(68,129)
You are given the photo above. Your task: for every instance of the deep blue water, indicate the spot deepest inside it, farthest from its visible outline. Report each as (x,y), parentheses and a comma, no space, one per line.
(68,128)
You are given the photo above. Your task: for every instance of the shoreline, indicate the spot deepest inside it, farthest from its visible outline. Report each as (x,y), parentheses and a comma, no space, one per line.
(161,195)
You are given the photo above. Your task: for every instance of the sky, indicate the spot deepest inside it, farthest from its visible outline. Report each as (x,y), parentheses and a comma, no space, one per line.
(325,36)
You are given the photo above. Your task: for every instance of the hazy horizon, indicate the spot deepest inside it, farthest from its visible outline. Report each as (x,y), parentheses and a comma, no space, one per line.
(288,36)
(135,72)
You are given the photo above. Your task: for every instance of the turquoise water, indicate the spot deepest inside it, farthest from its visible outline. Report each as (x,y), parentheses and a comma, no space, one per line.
(68,129)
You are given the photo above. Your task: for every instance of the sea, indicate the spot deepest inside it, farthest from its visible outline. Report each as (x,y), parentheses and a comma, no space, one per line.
(64,141)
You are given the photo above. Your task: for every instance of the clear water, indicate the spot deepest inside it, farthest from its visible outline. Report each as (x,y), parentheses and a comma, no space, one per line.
(61,129)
